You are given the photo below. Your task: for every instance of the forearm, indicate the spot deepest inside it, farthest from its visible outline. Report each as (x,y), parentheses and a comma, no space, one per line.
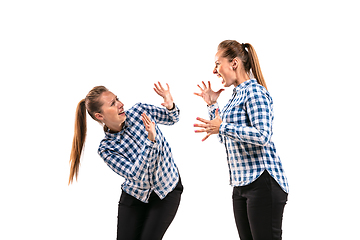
(163,115)
(212,109)
(131,168)
(246,134)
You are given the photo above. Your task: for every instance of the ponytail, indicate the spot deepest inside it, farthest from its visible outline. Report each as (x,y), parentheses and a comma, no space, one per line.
(92,105)
(78,140)
(255,65)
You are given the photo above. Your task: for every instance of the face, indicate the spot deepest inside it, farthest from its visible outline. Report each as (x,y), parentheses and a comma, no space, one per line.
(112,111)
(224,70)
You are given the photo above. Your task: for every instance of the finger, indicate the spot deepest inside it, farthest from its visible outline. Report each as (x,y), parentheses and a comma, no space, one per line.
(202,120)
(157,87)
(168,88)
(198,94)
(161,87)
(204,85)
(142,118)
(145,123)
(146,118)
(220,91)
(206,137)
(201,125)
(200,130)
(209,84)
(157,91)
(200,88)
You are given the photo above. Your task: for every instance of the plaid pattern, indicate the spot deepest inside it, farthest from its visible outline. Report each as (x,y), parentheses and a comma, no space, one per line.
(246,131)
(146,166)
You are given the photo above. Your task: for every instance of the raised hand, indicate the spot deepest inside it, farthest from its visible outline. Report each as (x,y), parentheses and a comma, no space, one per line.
(165,93)
(209,126)
(209,96)
(149,127)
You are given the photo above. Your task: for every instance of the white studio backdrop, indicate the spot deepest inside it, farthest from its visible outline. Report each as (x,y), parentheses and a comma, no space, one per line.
(53,52)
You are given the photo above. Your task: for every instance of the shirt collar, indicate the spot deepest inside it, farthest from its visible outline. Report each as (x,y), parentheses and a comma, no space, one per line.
(244,85)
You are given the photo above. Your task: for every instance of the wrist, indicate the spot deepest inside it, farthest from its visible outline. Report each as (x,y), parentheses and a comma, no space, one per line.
(151,137)
(210,103)
(171,107)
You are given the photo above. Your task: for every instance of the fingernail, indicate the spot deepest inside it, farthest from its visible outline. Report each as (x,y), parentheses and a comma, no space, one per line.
(197,118)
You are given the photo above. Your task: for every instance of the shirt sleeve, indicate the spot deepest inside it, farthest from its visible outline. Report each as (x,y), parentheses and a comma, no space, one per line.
(126,168)
(212,110)
(163,115)
(259,113)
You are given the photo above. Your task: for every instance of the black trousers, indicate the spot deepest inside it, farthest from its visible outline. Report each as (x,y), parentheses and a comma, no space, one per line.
(147,221)
(258,209)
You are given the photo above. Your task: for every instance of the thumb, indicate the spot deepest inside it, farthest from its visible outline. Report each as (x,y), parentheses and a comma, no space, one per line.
(220,91)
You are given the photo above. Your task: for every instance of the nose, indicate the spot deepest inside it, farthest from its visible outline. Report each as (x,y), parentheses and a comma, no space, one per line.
(215,71)
(120,104)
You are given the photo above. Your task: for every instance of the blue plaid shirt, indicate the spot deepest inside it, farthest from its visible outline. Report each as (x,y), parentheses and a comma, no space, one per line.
(146,166)
(246,131)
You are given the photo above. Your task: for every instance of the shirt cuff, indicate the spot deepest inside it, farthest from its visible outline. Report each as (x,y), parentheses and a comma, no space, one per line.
(173,108)
(222,128)
(213,107)
(150,144)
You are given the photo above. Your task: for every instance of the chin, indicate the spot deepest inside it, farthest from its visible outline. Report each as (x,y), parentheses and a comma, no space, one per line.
(122,119)
(226,85)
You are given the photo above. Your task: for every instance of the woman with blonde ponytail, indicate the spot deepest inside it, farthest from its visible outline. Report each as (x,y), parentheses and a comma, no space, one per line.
(260,187)
(135,148)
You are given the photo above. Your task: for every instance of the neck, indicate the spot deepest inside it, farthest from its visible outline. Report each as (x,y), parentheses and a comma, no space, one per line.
(241,76)
(116,129)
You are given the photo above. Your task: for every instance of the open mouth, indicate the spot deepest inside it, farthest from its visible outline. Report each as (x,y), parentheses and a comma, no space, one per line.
(122,112)
(222,80)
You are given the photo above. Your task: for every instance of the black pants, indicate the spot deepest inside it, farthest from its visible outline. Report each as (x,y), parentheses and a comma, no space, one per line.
(258,209)
(147,221)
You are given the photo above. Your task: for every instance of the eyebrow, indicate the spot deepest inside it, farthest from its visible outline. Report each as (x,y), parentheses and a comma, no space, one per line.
(113,100)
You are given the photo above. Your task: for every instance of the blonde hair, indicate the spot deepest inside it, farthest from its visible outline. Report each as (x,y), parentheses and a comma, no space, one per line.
(92,105)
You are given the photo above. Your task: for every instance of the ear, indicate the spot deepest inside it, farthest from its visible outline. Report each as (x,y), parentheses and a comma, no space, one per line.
(99,116)
(235,63)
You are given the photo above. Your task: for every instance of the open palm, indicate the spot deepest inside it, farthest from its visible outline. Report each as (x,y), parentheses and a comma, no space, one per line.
(209,96)
(165,93)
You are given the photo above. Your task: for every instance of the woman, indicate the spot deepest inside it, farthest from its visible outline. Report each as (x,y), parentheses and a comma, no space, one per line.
(245,127)
(135,148)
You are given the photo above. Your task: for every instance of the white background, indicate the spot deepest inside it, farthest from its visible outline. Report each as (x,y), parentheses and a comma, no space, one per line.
(53,52)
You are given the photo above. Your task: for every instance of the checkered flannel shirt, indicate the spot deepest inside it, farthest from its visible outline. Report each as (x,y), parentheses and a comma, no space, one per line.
(246,131)
(146,166)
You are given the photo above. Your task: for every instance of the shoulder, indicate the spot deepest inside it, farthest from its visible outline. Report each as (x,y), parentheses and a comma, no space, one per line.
(137,106)
(135,111)
(256,91)
(141,106)
(107,143)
